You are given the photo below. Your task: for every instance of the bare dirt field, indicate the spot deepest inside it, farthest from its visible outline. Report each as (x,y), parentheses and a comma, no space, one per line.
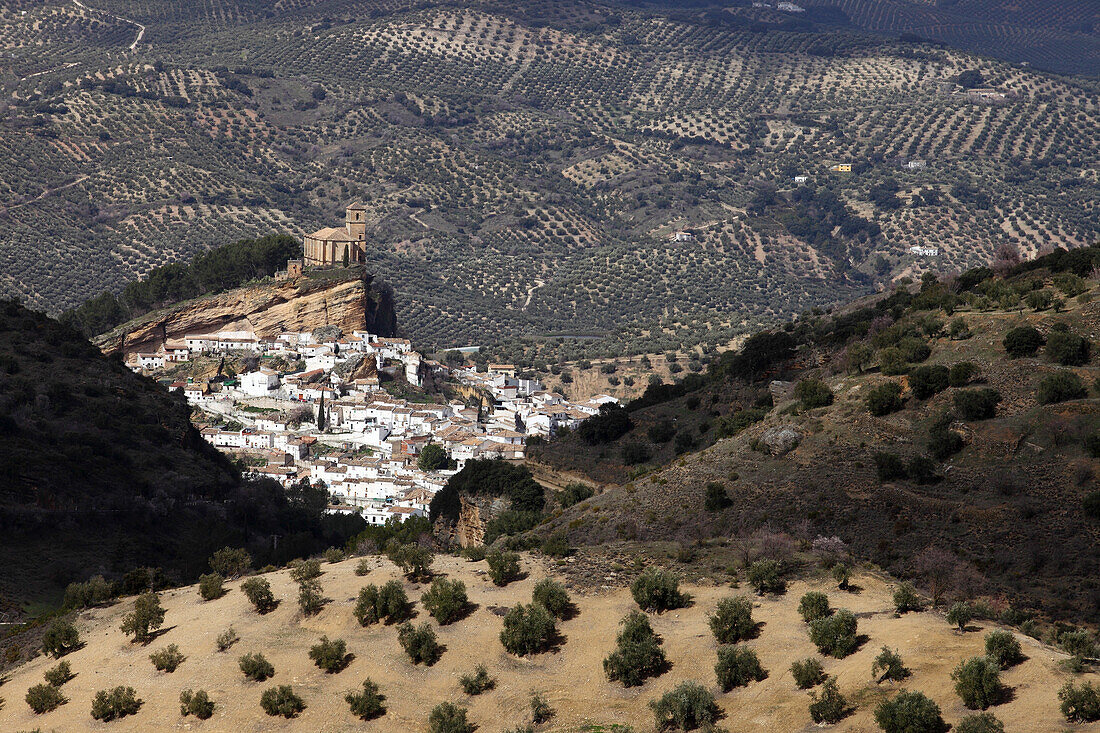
(571,678)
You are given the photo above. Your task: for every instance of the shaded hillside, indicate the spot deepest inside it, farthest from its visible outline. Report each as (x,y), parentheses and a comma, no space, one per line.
(101,470)
(523,165)
(993,464)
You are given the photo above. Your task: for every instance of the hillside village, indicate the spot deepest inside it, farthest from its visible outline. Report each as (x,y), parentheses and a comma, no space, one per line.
(329,420)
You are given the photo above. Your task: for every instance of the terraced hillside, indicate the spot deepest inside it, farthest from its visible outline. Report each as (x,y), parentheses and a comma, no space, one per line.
(524,168)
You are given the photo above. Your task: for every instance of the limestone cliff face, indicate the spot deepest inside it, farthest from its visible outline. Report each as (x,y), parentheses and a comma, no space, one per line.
(351,301)
(469,529)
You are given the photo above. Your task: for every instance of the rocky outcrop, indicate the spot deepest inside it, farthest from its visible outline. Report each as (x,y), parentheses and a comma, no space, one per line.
(349,300)
(468,530)
(781,439)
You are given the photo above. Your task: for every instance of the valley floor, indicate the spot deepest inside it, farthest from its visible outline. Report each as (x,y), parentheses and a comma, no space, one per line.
(571,678)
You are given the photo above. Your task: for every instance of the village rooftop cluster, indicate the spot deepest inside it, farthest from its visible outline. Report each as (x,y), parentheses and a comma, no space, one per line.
(333,423)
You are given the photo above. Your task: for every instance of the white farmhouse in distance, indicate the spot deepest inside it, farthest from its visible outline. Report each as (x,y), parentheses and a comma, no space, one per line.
(920,251)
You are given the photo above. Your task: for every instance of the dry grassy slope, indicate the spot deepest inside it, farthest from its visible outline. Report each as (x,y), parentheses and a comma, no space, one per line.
(1010,502)
(571,679)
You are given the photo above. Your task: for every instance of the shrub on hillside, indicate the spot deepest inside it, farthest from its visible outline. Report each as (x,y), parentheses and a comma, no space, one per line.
(835,635)
(541,711)
(258,592)
(884,399)
(231,562)
(638,654)
(1080,703)
(528,630)
(61,637)
(145,619)
(281,700)
(888,666)
(980,723)
(842,574)
(959,615)
(310,598)
(167,659)
(687,706)
(108,705)
(732,620)
(414,559)
(737,666)
(814,605)
(556,545)
(366,704)
(330,655)
(909,712)
(1003,648)
(657,590)
(813,393)
(829,707)
(447,717)
(715,498)
(551,595)
(1022,341)
(808,673)
(1059,387)
(256,667)
(446,600)
(211,586)
(92,592)
(976,404)
(478,682)
(978,682)
(906,599)
(58,675)
(420,643)
(196,703)
(44,698)
(388,603)
(927,381)
(575,493)
(305,570)
(503,567)
(889,466)
(227,639)
(363,567)
(1068,349)
(765,576)
(962,373)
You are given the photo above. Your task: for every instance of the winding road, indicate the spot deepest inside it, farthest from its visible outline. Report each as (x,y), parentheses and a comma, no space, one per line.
(140,27)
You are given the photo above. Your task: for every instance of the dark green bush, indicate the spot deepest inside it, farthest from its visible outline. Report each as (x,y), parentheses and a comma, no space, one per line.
(541,712)
(414,559)
(808,673)
(109,705)
(1080,703)
(922,470)
(884,399)
(962,374)
(909,712)
(638,654)
(44,698)
(447,717)
(556,545)
(58,675)
(737,666)
(256,667)
(1068,349)
(446,600)
(503,567)
(830,706)
(980,723)
(551,595)
(814,605)
(331,656)
(258,592)
(310,598)
(575,493)
(420,643)
(889,466)
(1060,387)
(716,499)
(765,576)
(196,703)
(813,393)
(960,615)
(231,562)
(906,599)
(1022,341)
(835,635)
(978,682)
(1003,648)
(732,620)
(687,706)
(145,619)
(926,381)
(976,404)
(888,666)
(528,630)
(211,586)
(61,637)
(478,682)
(281,700)
(167,659)
(366,704)
(632,454)
(388,603)
(227,639)
(657,590)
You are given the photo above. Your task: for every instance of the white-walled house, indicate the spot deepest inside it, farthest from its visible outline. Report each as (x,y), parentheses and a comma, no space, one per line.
(259,383)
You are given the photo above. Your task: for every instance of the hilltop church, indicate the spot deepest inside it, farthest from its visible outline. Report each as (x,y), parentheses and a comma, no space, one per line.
(329,246)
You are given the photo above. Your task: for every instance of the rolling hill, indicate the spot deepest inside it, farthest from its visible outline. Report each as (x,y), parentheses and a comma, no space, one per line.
(524,166)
